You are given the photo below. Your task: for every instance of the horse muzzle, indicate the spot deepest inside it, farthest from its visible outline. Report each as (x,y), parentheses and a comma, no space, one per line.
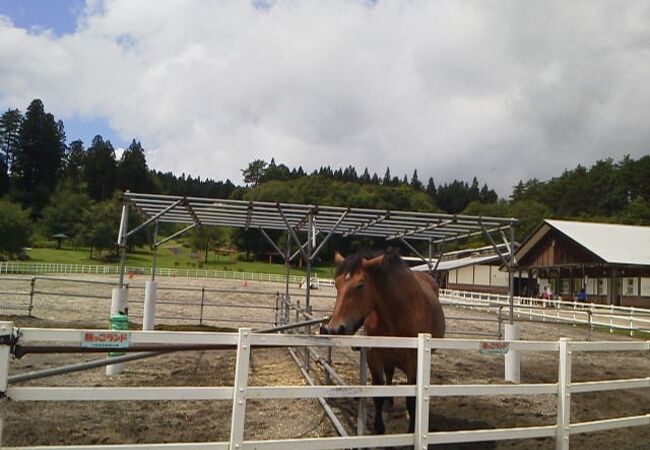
(326,329)
(343,328)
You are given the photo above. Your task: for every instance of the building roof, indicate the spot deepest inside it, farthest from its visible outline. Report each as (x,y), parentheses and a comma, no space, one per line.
(613,243)
(463,258)
(388,224)
(460,262)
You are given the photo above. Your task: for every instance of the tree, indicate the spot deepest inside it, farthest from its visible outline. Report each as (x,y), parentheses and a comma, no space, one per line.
(100,226)
(415,182)
(387,180)
(100,169)
(74,163)
(207,237)
(254,173)
(133,173)
(16,229)
(431,191)
(488,195)
(473,193)
(10,123)
(365,177)
(64,212)
(39,157)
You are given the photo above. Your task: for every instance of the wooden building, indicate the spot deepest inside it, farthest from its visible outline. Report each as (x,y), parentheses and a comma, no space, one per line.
(611,262)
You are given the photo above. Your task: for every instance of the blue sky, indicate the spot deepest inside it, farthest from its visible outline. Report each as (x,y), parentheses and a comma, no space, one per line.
(57,15)
(60,18)
(504,91)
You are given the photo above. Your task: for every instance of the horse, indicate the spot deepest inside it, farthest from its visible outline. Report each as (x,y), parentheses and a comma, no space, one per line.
(382,294)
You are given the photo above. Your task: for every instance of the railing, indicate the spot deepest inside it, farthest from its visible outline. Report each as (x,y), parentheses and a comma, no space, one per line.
(591,315)
(423,390)
(22,267)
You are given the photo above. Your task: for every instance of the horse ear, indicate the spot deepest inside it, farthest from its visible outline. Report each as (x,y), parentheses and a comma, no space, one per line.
(338,258)
(368,263)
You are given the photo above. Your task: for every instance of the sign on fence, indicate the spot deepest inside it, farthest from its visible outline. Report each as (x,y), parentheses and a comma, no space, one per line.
(105,339)
(493,347)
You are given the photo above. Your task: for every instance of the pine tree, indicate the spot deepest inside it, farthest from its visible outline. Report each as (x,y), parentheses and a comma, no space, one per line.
(133,173)
(387,180)
(100,169)
(74,163)
(10,123)
(39,157)
(431,191)
(415,183)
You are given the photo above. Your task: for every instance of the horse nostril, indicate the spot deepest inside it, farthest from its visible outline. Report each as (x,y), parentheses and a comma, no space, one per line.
(340,329)
(324,330)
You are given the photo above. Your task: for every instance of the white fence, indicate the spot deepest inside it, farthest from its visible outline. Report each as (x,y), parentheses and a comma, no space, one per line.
(21,267)
(592,315)
(423,391)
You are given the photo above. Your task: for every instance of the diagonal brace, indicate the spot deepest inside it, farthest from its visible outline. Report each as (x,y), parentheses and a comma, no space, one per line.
(154,217)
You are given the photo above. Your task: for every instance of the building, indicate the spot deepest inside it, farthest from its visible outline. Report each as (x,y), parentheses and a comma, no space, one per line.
(475,269)
(611,262)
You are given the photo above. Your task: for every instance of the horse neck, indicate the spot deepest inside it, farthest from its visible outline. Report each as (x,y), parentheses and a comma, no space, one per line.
(393,303)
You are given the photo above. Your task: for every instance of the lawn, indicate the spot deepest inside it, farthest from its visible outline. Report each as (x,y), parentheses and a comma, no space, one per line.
(172,255)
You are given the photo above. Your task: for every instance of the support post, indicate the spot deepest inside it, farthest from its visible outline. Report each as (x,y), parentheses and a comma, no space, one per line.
(202,303)
(310,248)
(563,396)
(149,316)
(513,357)
(32,288)
(121,239)
(423,394)
(239,390)
(119,307)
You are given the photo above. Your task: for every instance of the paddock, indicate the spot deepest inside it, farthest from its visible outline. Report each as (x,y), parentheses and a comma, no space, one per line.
(159,421)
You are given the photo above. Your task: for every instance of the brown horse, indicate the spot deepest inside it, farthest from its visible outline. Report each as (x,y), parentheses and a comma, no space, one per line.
(380,292)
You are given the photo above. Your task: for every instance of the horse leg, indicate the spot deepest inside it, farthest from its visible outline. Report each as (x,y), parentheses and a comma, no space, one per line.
(376,367)
(411,376)
(389,371)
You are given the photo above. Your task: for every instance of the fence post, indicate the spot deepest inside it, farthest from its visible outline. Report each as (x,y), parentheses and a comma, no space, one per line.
(421,434)
(361,413)
(563,396)
(277,303)
(589,325)
(6,334)
(611,318)
(632,321)
(202,301)
(239,391)
(31,295)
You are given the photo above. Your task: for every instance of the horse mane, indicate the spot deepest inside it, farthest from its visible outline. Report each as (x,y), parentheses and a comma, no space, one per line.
(391,265)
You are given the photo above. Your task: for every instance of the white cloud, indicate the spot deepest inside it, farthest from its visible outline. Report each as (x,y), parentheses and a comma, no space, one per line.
(504,91)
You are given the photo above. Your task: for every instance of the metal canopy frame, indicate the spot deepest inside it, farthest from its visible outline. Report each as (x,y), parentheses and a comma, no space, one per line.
(388,224)
(434,228)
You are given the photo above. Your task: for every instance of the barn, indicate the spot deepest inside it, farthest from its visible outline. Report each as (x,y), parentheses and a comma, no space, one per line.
(610,261)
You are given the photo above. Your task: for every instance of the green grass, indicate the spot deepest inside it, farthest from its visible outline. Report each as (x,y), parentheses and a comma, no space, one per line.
(173,256)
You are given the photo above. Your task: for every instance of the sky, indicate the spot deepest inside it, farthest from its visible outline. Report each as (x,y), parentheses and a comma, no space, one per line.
(504,90)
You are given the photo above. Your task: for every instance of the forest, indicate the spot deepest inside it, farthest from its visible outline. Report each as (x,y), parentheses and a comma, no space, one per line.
(49,186)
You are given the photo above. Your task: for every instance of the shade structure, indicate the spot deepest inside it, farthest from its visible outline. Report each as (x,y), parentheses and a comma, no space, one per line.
(345,221)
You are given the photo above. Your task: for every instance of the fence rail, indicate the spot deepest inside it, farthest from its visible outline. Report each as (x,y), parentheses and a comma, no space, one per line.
(240,392)
(32,268)
(591,315)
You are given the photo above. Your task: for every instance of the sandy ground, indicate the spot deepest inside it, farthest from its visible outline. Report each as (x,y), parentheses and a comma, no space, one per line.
(253,305)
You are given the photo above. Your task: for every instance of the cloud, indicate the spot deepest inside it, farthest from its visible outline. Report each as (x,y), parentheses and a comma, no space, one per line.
(502,91)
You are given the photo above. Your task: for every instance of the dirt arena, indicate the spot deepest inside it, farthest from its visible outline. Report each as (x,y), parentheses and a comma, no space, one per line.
(252,304)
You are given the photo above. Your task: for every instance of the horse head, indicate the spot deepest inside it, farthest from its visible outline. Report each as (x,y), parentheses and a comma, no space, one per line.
(355,298)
